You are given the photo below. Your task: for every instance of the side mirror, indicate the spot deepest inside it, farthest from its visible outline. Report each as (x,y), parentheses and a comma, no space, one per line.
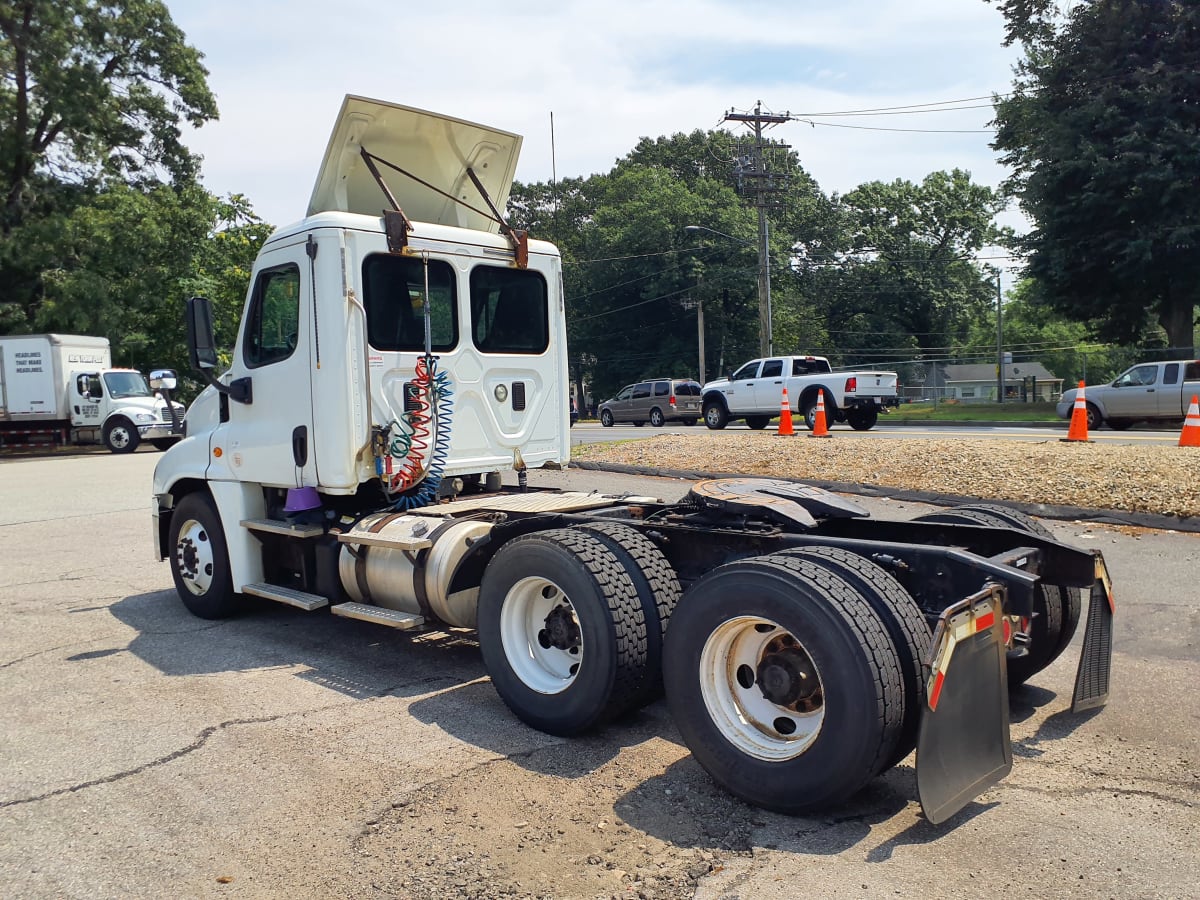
(163,379)
(202,350)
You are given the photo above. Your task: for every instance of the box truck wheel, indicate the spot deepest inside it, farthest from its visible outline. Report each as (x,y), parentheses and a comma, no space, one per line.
(200,560)
(783,682)
(562,631)
(120,436)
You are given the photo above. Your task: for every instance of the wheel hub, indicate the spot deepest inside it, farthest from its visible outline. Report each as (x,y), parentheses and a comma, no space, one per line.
(787,678)
(189,559)
(561,631)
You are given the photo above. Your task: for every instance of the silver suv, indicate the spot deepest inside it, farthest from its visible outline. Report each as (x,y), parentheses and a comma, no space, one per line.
(656,401)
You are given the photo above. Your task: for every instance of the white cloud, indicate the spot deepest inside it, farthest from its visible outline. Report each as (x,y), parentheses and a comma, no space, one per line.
(610,72)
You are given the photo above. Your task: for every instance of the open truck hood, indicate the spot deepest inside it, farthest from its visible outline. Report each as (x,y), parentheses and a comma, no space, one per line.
(435,148)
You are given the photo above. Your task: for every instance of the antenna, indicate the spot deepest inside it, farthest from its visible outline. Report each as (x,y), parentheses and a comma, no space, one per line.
(553,166)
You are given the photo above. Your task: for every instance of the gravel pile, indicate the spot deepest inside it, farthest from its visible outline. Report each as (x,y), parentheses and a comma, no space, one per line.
(1161,480)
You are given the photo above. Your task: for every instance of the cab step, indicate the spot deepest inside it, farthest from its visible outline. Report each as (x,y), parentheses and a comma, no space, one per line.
(290,596)
(282,526)
(378,614)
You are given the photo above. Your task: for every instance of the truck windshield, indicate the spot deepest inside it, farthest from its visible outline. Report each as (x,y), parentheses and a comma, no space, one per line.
(126,384)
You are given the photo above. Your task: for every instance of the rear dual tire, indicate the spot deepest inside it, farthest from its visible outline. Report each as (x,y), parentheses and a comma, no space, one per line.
(1056,609)
(562,631)
(784,682)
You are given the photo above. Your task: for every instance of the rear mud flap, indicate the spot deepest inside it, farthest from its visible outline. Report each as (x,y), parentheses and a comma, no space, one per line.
(963,747)
(1095,662)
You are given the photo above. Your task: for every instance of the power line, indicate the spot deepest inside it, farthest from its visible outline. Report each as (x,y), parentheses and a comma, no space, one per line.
(909,130)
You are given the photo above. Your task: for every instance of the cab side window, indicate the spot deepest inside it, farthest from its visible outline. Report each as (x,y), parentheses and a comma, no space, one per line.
(626,393)
(749,370)
(772,368)
(273,323)
(1142,375)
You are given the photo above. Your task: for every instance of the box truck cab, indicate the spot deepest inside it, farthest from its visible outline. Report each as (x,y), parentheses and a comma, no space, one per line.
(62,388)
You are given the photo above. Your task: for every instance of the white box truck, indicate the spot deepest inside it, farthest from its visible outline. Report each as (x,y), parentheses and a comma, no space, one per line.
(347,463)
(62,388)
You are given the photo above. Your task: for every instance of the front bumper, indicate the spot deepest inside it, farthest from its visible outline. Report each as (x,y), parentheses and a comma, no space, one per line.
(154,430)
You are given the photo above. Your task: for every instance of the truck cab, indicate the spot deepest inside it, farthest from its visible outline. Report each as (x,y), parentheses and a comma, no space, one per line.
(125,409)
(417,348)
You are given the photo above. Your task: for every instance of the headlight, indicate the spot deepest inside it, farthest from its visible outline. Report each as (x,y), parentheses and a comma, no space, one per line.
(145,417)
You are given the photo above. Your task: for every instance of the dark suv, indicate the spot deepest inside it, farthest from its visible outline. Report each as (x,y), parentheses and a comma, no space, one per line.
(656,401)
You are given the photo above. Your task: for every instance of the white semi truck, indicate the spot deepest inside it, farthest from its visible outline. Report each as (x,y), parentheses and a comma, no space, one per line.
(391,366)
(62,388)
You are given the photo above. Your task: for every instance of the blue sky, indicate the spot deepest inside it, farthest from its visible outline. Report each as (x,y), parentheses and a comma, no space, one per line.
(610,73)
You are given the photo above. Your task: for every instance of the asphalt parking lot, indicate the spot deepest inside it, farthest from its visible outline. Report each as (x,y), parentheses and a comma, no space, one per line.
(146,753)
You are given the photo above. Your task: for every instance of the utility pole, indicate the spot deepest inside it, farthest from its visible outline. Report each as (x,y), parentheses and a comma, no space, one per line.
(999,340)
(760,185)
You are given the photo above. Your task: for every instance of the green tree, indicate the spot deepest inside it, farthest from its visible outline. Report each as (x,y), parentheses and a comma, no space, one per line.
(909,278)
(1102,132)
(93,90)
(1033,331)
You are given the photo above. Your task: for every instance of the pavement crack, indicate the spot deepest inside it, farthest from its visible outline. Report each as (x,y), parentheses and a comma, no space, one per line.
(195,745)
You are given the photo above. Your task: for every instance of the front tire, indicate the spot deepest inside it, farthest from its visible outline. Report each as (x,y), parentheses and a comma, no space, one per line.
(120,436)
(200,559)
(715,416)
(783,683)
(1094,419)
(562,631)
(606,418)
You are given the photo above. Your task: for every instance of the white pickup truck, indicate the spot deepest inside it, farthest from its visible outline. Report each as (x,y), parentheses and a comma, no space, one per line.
(755,392)
(1159,391)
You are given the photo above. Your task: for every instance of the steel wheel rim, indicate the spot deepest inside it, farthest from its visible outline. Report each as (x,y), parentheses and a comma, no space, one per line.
(119,436)
(194,557)
(712,416)
(757,726)
(546,663)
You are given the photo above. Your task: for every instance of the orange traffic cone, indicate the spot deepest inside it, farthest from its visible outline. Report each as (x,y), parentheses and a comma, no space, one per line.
(1190,436)
(785,417)
(1078,429)
(820,429)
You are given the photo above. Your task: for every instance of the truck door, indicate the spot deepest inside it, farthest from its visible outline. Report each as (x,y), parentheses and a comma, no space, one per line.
(1170,405)
(270,440)
(86,396)
(1133,396)
(768,390)
(739,393)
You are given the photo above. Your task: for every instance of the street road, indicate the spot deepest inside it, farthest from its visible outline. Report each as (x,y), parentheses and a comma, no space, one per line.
(595,433)
(146,753)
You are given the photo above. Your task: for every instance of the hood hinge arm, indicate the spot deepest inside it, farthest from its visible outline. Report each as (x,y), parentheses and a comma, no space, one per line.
(395,222)
(520,239)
